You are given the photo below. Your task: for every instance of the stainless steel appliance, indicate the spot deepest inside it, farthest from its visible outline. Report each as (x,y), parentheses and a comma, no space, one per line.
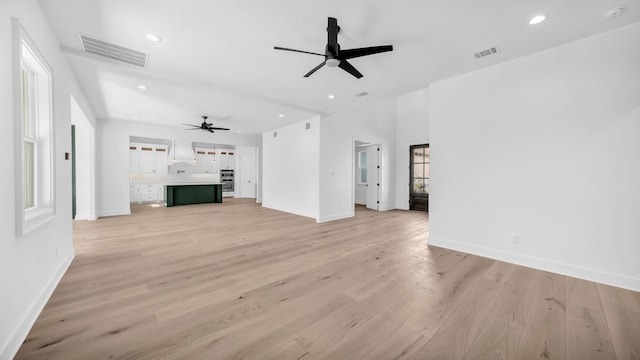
(226,177)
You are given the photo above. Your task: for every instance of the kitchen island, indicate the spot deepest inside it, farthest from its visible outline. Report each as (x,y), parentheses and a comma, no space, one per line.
(186,194)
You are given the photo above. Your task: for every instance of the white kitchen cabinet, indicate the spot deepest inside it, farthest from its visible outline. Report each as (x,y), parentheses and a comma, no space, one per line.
(146,193)
(145,158)
(227,160)
(134,159)
(160,161)
(134,194)
(205,161)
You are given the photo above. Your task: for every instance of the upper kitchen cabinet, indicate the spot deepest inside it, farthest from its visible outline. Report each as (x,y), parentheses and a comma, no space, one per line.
(148,158)
(227,160)
(211,158)
(207,161)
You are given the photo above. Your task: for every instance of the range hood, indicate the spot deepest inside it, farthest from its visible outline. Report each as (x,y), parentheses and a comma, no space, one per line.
(183,151)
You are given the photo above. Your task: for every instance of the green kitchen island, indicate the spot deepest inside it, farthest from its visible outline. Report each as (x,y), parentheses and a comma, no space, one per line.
(186,194)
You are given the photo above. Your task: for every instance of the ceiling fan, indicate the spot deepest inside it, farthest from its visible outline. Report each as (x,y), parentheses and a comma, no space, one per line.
(205,126)
(333,56)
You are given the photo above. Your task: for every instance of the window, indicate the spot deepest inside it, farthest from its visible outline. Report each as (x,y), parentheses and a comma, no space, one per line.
(35,199)
(362,167)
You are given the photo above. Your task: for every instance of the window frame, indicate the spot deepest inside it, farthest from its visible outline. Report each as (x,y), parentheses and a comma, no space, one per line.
(40,107)
(361,168)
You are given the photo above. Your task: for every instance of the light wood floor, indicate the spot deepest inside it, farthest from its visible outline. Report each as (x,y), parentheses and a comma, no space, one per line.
(236,281)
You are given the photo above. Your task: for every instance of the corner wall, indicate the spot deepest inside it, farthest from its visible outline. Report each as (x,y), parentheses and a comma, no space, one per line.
(32,265)
(536,161)
(290,172)
(374,124)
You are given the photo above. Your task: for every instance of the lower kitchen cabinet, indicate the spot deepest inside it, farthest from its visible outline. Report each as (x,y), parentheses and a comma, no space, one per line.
(140,193)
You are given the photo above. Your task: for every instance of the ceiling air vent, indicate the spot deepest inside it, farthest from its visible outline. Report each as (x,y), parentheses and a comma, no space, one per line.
(362,94)
(486,52)
(112,51)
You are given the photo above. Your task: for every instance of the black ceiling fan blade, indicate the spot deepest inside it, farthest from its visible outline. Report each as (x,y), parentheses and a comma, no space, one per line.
(191,125)
(346,66)
(332,35)
(217,128)
(198,128)
(315,69)
(294,50)
(354,53)
(211,131)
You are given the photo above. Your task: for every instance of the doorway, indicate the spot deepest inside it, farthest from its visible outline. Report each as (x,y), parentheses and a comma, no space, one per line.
(246,188)
(367,175)
(83,164)
(419,177)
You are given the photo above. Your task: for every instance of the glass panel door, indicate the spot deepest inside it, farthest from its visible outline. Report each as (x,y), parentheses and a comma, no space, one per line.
(419,177)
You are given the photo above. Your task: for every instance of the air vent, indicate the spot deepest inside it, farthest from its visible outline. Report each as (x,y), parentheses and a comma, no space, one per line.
(112,51)
(486,52)
(361,94)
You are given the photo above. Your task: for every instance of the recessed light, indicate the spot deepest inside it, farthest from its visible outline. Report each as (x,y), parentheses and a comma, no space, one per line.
(616,11)
(142,87)
(136,118)
(537,19)
(238,131)
(154,37)
(331,96)
(281,115)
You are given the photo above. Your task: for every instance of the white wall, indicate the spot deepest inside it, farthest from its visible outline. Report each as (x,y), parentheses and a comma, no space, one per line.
(85,163)
(32,265)
(338,133)
(545,147)
(112,174)
(412,128)
(290,168)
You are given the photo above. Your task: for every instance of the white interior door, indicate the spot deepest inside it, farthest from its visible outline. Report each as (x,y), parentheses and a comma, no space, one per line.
(373,177)
(245,177)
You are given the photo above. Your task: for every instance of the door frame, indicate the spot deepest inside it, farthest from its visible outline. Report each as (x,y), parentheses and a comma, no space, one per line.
(411,149)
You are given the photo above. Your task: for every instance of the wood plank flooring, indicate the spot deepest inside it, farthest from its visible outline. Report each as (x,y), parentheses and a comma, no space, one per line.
(238,281)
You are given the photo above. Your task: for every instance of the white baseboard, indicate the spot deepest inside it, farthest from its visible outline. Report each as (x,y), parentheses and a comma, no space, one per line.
(602,277)
(288,210)
(115,213)
(23,330)
(402,206)
(386,208)
(334,217)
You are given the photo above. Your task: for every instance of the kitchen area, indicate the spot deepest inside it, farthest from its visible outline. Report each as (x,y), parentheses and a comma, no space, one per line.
(156,163)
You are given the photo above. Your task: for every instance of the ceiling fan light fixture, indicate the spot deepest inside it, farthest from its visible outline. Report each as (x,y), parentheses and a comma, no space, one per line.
(333,62)
(154,37)
(537,19)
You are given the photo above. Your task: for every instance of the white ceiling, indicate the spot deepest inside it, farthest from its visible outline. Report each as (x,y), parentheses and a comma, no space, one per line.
(217,56)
